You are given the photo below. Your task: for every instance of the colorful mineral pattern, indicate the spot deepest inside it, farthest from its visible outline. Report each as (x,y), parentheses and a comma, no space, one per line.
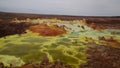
(66,41)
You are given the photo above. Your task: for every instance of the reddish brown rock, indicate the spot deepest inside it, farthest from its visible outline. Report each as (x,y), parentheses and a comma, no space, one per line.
(45,30)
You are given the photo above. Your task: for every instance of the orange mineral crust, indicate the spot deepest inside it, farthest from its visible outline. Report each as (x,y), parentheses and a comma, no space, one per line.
(45,30)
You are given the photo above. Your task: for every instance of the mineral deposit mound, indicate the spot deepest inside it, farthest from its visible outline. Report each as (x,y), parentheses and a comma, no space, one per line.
(45,30)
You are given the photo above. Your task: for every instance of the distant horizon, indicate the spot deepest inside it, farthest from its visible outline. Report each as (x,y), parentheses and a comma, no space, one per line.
(55,14)
(66,7)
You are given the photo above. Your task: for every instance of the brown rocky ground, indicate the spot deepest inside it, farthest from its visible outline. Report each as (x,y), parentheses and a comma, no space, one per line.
(8,28)
(105,21)
(100,56)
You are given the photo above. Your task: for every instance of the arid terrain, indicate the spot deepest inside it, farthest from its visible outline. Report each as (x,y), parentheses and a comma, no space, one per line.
(58,41)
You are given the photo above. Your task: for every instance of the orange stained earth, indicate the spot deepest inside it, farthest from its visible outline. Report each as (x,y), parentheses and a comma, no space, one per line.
(45,30)
(96,27)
